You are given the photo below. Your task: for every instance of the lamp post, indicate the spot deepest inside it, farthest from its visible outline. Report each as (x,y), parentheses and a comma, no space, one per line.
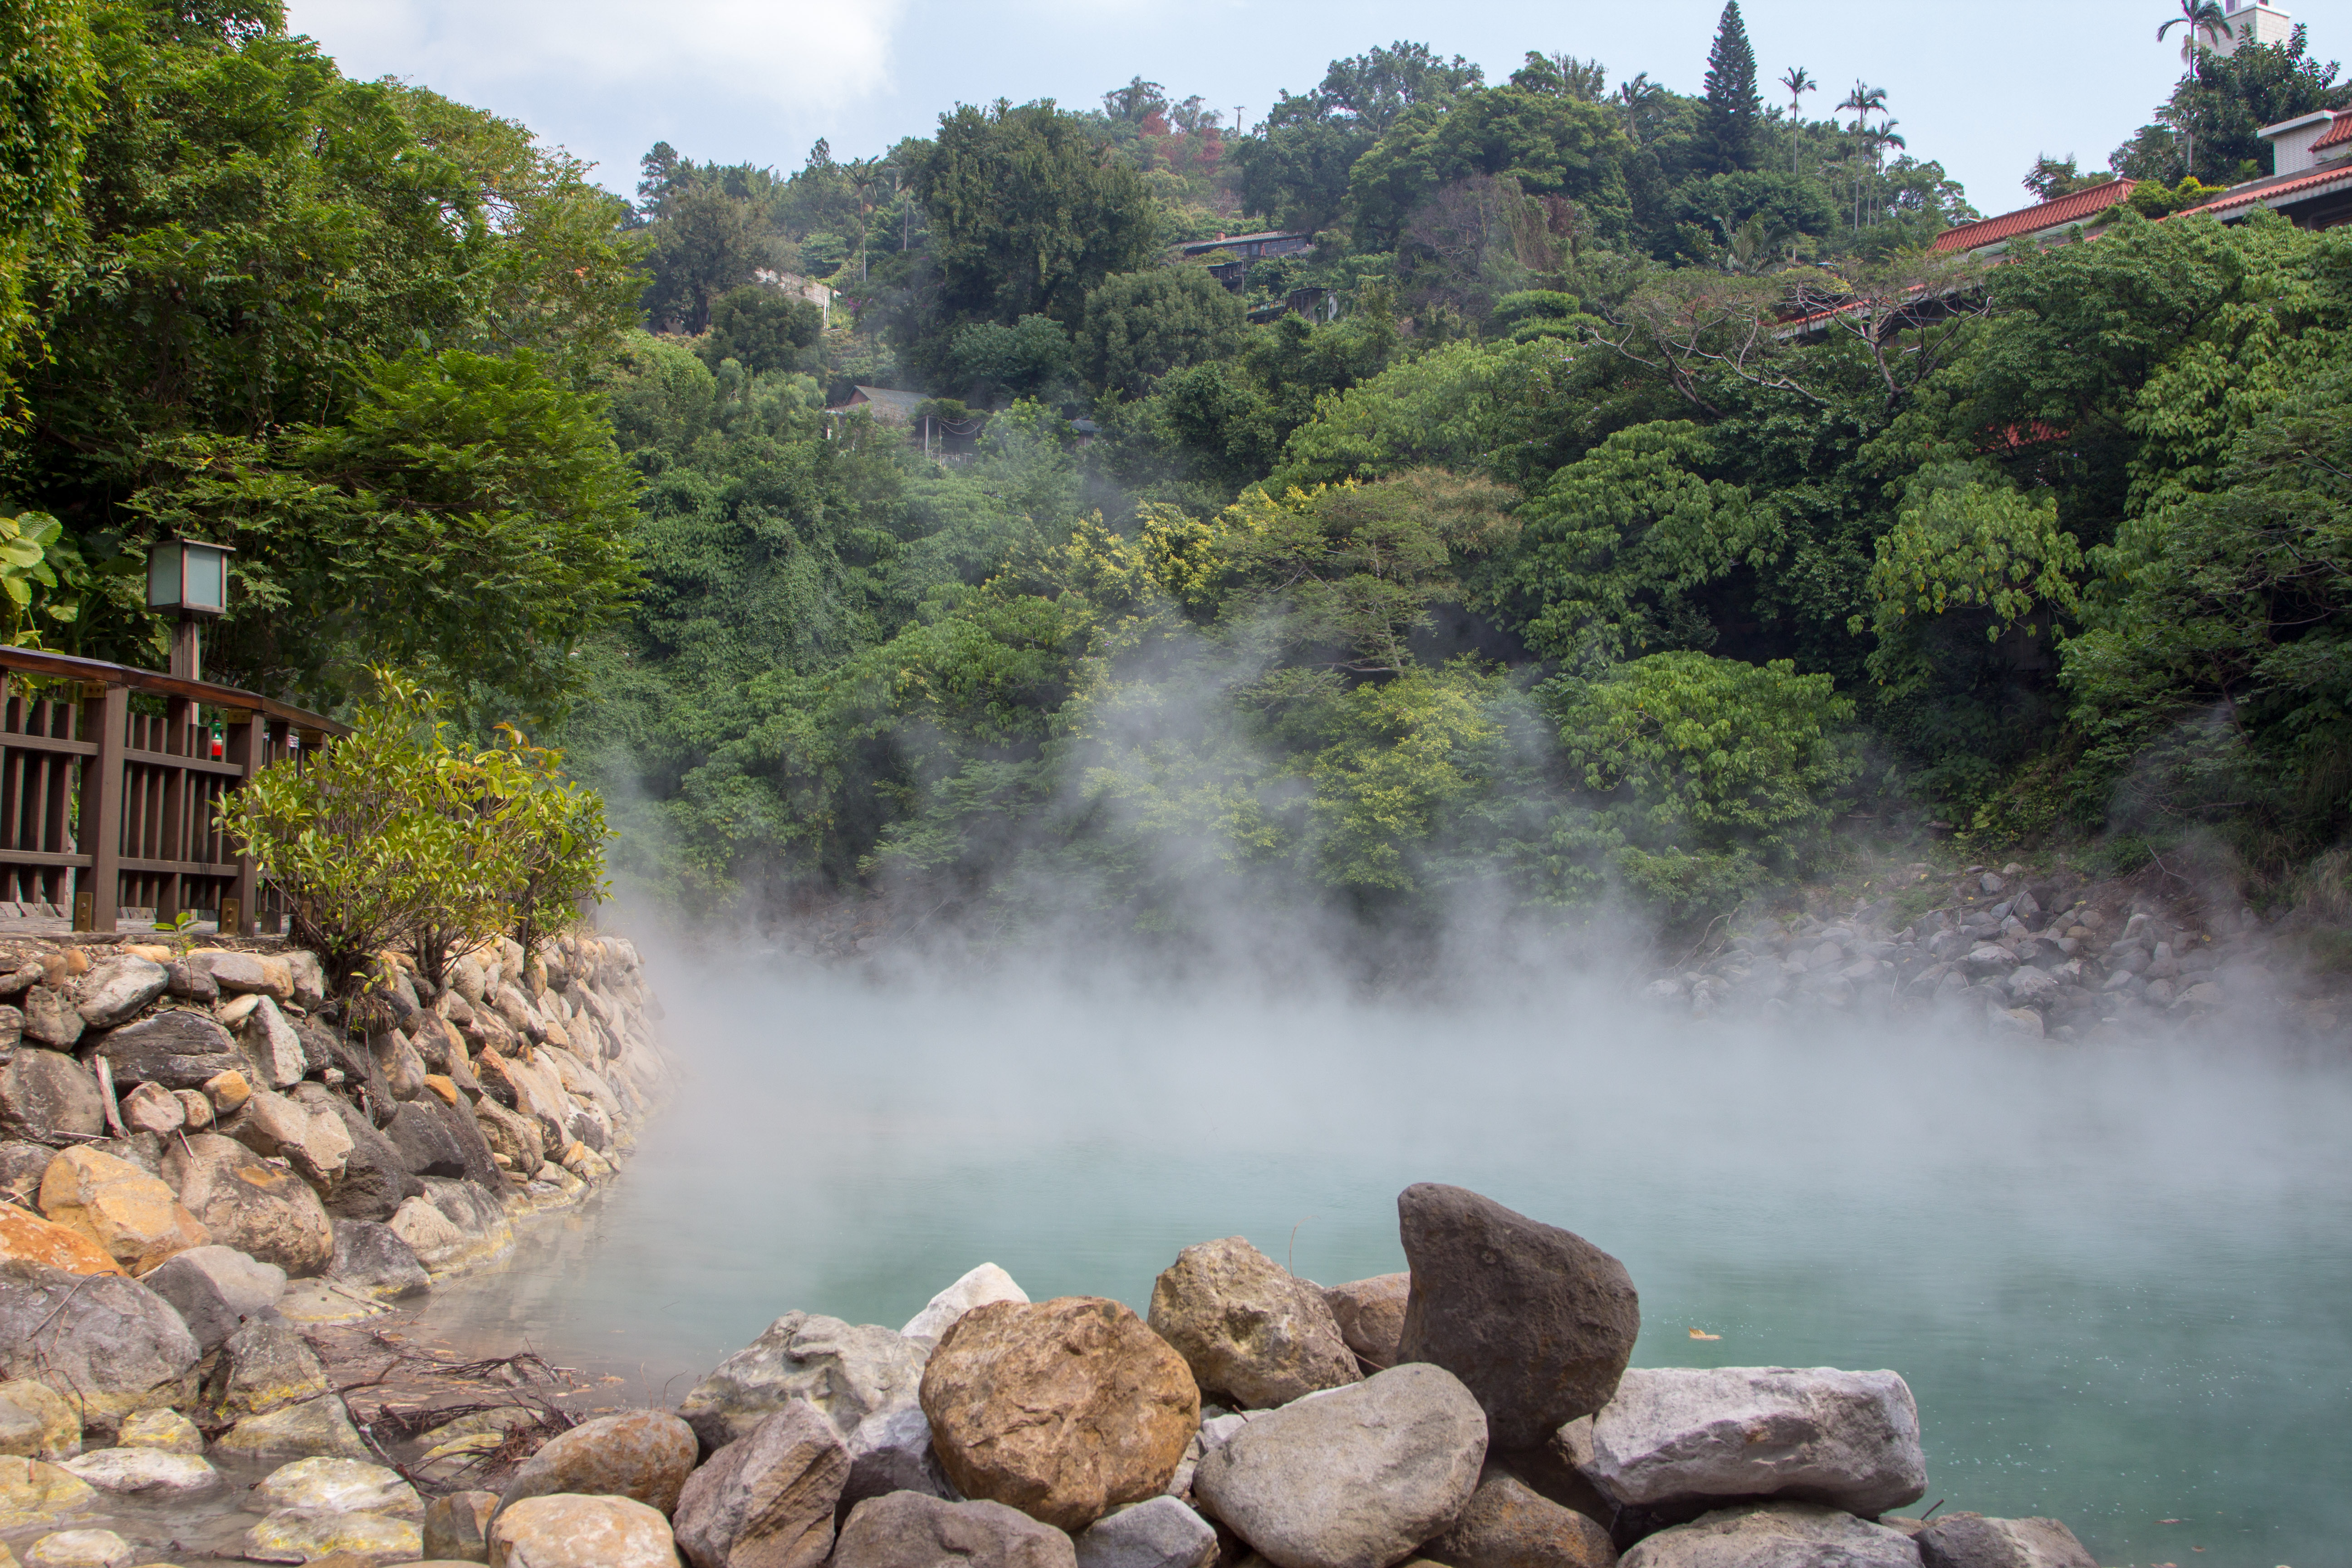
(192,577)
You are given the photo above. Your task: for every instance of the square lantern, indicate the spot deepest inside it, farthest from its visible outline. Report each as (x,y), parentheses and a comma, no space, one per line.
(188,575)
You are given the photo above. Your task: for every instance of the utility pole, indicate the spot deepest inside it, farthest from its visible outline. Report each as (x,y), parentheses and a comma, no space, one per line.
(1238,110)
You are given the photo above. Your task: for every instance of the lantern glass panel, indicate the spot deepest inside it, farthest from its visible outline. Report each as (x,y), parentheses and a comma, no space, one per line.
(164,577)
(204,571)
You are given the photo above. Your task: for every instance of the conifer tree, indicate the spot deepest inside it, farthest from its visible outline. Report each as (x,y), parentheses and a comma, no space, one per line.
(1729,116)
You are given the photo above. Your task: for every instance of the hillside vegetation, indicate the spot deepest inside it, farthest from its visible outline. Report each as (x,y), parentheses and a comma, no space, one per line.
(1631,497)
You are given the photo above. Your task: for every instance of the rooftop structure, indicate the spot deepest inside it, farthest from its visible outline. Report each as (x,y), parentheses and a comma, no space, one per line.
(2042,220)
(2250,22)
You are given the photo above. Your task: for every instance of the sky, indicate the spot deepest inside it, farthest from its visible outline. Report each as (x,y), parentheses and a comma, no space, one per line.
(1984,88)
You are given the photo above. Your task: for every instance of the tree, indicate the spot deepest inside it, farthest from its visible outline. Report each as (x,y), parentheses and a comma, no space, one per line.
(2196,17)
(2221,106)
(49,99)
(706,245)
(2050,178)
(760,327)
(1140,326)
(1027,213)
(1730,110)
(1798,82)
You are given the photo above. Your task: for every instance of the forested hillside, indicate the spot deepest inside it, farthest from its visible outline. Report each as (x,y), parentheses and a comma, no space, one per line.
(1616,495)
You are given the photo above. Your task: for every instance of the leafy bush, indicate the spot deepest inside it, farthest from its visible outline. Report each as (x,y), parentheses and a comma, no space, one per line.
(390,837)
(1712,771)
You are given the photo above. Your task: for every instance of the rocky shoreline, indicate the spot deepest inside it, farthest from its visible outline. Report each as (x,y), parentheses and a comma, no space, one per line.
(2048,954)
(1476,1412)
(214,1182)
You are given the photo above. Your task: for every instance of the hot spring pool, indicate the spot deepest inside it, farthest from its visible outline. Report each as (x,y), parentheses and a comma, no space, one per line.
(2120,1280)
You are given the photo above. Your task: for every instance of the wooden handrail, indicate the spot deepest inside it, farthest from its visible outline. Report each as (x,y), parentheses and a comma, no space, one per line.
(98,672)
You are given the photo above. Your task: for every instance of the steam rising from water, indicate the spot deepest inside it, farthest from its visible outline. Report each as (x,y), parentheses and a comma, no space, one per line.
(2115,1277)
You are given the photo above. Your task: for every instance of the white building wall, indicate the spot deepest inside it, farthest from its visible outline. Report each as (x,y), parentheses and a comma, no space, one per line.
(2251,22)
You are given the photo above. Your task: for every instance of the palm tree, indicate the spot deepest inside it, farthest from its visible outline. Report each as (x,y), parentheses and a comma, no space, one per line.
(1799,84)
(2196,17)
(1878,138)
(1864,101)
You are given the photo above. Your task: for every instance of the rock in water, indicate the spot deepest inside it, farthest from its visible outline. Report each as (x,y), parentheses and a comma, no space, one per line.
(295,1535)
(1370,1315)
(1506,1525)
(1253,1335)
(263,1366)
(907,1530)
(373,1258)
(1675,1437)
(119,1346)
(865,1378)
(166,1430)
(1063,1409)
(456,1527)
(215,1287)
(1161,1533)
(1972,1541)
(1775,1535)
(81,1549)
(119,1206)
(338,1486)
(1354,1478)
(36,1424)
(317,1426)
(1537,1322)
(645,1454)
(767,1500)
(976,1289)
(580,1533)
(146,1472)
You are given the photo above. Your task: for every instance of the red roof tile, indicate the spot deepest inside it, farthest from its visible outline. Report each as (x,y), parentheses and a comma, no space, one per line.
(2266,195)
(2337,134)
(2056,214)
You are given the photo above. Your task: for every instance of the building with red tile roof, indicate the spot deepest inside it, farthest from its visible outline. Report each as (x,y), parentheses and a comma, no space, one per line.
(2044,220)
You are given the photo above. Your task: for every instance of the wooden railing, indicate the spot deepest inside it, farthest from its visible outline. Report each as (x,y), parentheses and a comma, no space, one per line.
(108,785)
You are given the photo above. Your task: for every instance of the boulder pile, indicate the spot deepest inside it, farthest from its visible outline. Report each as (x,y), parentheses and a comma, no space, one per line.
(1477,1412)
(2048,956)
(201,1150)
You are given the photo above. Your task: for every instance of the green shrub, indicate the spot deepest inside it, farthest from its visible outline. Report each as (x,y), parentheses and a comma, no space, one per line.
(1713,773)
(391,837)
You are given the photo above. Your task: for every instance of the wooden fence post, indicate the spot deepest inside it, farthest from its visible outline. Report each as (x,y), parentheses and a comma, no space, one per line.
(248,748)
(101,807)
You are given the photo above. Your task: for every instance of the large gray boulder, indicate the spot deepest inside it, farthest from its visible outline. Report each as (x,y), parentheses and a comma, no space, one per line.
(865,1379)
(426,1142)
(47,1096)
(321,1426)
(263,1210)
(105,1343)
(1355,1477)
(1254,1335)
(115,991)
(1160,1533)
(23,1164)
(263,1366)
(213,1289)
(909,1530)
(766,1501)
(644,1454)
(1507,1525)
(372,1258)
(458,1119)
(1537,1322)
(178,1048)
(1775,1535)
(1675,1437)
(1370,1315)
(1972,1541)
(375,1178)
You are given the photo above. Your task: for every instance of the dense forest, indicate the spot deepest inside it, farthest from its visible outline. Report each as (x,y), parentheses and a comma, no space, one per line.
(1616,496)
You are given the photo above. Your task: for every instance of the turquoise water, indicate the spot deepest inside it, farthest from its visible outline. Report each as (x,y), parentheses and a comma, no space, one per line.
(2118,1280)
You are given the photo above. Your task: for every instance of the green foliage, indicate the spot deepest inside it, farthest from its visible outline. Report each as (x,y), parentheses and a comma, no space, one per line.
(1026,216)
(1030,358)
(27,570)
(1715,773)
(1547,144)
(1611,552)
(390,837)
(1140,326)
(2220,104)
(1730,111)
(49,100)
(760,327)
(470,518)
(1976,547)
